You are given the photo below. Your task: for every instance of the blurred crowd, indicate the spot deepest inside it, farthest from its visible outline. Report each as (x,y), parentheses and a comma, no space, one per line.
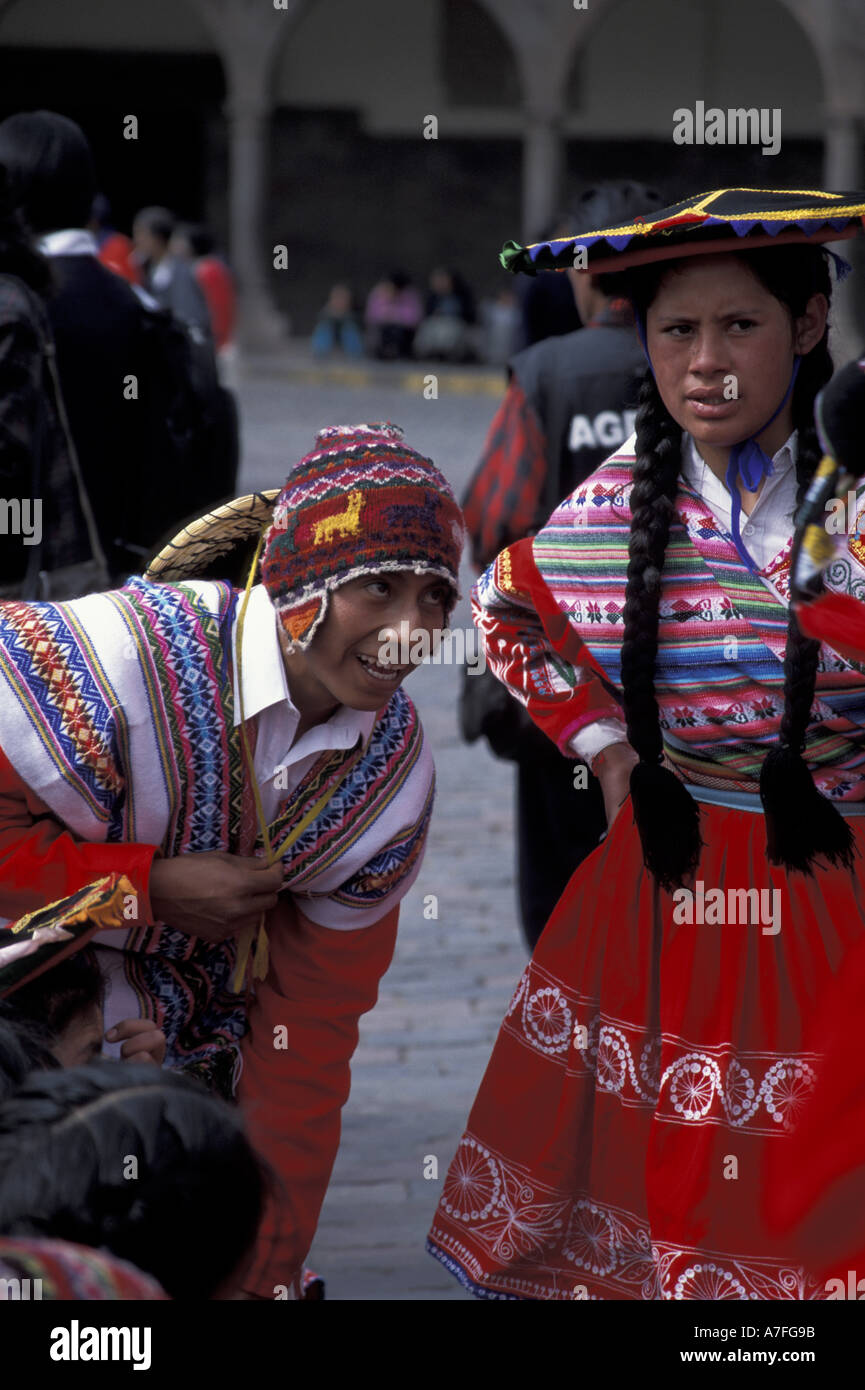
(115,359)
(399,321)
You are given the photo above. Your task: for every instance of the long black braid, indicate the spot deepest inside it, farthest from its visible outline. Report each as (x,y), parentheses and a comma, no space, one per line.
(659,799)
(800,823)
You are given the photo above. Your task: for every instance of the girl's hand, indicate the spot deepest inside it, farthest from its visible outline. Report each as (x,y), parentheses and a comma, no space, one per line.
(144,1041)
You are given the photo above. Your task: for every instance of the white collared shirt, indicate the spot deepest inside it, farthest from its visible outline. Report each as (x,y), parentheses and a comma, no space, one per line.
(769,527)
(764,533)
(72,241)
(266,694)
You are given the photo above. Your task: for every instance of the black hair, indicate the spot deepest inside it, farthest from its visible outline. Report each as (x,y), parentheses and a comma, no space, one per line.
(201,241)
(24,1047)
(160,222)
(50,167)
(17,255)
(186,1211)
(800,823)
(60,994)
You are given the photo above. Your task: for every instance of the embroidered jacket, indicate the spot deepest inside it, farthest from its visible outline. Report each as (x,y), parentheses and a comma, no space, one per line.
(119,742)
(551,611)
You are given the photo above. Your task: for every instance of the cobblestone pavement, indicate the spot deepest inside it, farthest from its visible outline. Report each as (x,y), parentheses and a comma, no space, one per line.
(424,1047)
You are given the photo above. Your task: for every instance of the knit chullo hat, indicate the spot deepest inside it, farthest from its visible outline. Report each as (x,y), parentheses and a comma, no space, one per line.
(360,503)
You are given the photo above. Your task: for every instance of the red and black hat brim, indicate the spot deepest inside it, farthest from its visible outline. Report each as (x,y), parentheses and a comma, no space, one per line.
(724,220)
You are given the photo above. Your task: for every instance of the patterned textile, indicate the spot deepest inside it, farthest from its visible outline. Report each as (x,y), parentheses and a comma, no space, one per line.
(645,1074)
(61,1270)
(719,220)
(362,502)
(719,673)
(117,710)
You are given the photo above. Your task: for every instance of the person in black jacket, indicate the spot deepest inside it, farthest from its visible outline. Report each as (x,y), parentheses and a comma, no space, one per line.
(48,546)
(570,400)
(113,355)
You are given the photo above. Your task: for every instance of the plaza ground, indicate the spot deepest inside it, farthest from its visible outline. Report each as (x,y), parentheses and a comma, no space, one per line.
(424,1047)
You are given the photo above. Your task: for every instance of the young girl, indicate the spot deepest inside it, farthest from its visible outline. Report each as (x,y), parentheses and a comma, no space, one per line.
(244,758)
(68,1003)
(653,1050)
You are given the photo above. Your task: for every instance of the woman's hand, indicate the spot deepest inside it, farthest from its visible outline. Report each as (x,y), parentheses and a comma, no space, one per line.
(213,896)
(612,767)
(144,1041)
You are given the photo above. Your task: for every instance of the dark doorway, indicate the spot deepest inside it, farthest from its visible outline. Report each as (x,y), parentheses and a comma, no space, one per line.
(178,157)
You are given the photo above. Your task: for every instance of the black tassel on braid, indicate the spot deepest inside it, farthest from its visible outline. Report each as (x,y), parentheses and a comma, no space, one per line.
(666,814)
(800,823)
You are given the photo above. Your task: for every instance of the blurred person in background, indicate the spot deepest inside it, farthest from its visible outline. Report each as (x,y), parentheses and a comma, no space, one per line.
(337,325)
(114,250)
(446,330)
(570,400)
(393,312)
(501,320)
(547,308)
(169,277)
(117,387)
(194,244)
(53,547)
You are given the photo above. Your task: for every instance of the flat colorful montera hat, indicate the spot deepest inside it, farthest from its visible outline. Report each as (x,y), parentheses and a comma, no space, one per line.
(361,502)
(726,219)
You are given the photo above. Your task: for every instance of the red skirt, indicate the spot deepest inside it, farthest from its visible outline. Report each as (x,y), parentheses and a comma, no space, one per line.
(647,1067)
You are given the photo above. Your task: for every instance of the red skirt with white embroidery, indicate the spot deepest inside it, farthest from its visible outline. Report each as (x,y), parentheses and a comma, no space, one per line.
(654,1054)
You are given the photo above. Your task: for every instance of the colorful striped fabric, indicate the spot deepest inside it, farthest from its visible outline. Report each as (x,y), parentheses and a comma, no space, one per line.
(34,1269)
(719,676)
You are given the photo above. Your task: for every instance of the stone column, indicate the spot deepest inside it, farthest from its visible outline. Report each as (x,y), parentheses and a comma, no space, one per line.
(260,325)
(248,36)
(543,163)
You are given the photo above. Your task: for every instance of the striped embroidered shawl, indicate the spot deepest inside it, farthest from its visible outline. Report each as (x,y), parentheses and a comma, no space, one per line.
(719,675)
(117,710)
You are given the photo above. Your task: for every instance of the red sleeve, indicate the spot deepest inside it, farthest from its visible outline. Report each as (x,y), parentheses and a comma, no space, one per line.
(836,619)
(303,1030)
(504,495)
(41,862)
(532,648)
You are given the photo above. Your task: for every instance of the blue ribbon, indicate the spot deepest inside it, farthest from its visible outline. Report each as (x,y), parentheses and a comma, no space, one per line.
(752,464)
(747,460)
